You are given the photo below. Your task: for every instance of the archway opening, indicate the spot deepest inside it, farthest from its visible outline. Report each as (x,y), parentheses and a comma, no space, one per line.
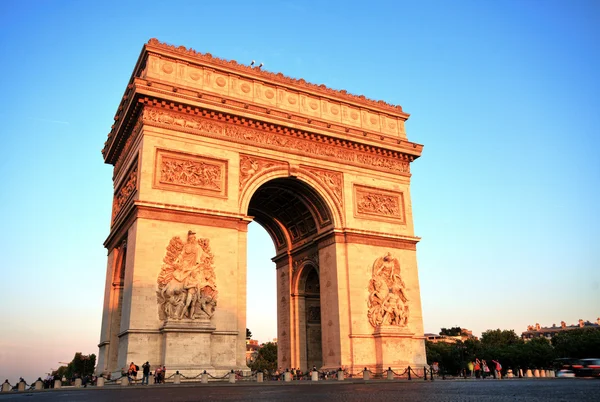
(261,285)
(294,215)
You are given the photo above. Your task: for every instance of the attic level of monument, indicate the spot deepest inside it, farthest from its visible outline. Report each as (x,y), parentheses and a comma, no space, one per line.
(188,87)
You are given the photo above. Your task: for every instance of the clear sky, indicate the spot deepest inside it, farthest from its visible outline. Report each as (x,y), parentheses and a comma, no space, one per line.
(505,96)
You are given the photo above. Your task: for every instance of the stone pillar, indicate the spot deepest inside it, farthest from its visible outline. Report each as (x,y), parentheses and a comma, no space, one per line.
(314,375)
(39,384)
(542,373)
(528,373)
(536,373)
(124,381)
(57,384)
(204,378)
(509,373)
(390,374)
(177,378)
(100,382)
(232,377)
(340,375)
(287,377)
(520,373)
(6,387)
(77,383)
(21,386)
(366,374)
(259,377)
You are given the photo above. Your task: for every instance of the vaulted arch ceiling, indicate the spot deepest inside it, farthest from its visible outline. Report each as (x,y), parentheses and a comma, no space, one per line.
(290,210)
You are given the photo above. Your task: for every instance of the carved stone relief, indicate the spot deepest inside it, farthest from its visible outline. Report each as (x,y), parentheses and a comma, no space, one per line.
(291,141)
(334,181)
(125,191)
(379,203)
(250,166)
(187,286)
(312,258)
(387,302)
(184,172)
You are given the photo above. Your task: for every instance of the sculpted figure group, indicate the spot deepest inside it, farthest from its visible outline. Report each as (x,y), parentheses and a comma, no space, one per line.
(387,300)
(186,283)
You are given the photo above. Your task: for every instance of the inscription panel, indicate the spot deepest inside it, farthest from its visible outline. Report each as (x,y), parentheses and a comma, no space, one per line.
(176,171)
(376,203)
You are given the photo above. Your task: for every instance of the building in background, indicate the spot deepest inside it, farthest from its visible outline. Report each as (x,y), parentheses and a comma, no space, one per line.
(465,334)
(537,331)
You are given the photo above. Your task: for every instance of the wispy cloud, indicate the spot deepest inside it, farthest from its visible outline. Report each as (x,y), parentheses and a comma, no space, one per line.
(64,123)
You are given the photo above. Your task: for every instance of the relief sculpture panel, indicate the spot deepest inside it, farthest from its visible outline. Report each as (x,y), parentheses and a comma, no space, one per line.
(190,173)
(373,203)
(387,302)
(125,192)
(186,283)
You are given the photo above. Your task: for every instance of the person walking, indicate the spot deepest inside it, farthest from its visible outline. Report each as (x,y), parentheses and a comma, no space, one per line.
(486,369)
(157,374)
(131,372)
(146,371)
(477,368)
(497,369)
(470,369)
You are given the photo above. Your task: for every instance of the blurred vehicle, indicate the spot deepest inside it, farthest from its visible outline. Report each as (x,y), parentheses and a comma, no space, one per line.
(564,363)
(565,373)
(587,368)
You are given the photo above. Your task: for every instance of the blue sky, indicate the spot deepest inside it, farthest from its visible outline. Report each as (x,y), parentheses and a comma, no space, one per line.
(504,96)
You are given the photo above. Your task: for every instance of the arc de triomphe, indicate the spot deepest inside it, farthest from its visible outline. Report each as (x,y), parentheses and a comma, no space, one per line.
(200,148)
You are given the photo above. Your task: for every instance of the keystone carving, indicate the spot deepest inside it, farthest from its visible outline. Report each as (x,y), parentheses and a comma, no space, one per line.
(186,282)
(387,302)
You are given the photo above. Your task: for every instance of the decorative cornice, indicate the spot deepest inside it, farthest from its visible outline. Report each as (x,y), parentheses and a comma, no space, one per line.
(276,77)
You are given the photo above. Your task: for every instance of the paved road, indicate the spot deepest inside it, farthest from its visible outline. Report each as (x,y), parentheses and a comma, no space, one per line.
(459,390)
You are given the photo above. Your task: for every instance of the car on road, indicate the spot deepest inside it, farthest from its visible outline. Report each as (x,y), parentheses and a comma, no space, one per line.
(587,368)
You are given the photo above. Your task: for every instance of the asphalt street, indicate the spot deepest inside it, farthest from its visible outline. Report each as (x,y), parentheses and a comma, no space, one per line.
(567,389)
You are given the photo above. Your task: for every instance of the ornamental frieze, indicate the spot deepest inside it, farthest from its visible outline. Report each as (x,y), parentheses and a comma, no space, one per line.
(387,301)
(125,192)
(187,286)
(192,173)
(296,141)
(378,203)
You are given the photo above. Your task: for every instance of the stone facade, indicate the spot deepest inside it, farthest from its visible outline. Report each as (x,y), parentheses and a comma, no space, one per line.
(200,148)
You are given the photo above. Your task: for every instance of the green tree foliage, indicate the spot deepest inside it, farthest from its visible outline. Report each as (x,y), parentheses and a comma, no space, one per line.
(577,343)
(511,351)
(450,356)
(81,365)
(454,331)
(248,334)
(266,359)
(499,337)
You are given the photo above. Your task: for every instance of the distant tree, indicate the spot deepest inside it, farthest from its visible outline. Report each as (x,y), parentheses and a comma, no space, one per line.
(454,331)
(248,334)
(266,359)
(499,337)
(448,355)
(537,353)
(578,343)
(81,365)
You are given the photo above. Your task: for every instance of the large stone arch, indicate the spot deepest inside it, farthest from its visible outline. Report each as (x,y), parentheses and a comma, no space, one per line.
(203,146)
